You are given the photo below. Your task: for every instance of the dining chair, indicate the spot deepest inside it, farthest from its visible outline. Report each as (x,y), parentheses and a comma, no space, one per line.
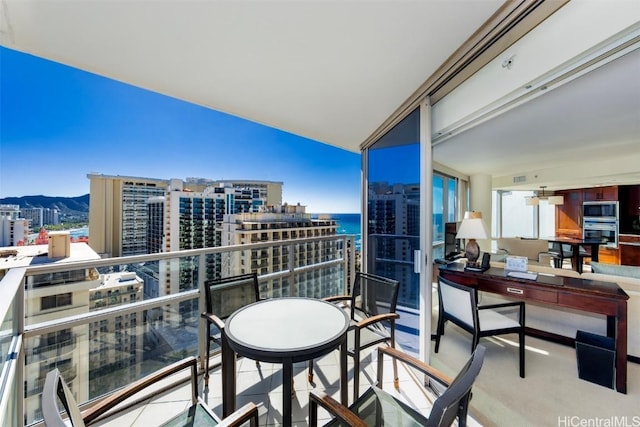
(560,252)
(372,312)
(223,296)
(377,407)
(198,413)
(458,303)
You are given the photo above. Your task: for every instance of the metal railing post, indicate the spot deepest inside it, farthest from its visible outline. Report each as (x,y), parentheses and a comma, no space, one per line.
(20,365)
(203,333)
(291,275)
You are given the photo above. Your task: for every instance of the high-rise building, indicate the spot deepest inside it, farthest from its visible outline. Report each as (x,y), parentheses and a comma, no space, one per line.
(14,230)
(281,224)
(118,213)
(39,217)
(118,207)
(270,191)
(115,345)
(185,219)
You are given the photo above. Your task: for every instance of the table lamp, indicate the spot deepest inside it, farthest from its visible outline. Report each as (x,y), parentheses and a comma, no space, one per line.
(472,228)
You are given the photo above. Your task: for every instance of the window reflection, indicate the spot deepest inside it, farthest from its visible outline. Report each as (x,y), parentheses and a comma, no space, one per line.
(393,211)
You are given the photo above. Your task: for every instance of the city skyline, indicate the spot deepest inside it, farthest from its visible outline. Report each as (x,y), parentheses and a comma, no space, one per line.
(59,124)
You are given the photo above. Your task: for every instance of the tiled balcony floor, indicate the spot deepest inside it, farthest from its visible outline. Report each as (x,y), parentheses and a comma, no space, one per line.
(550,394)
(263,386)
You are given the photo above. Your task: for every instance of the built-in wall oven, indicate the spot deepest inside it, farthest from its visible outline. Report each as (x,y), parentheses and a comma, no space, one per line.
(606,211)
(603,231)
(600,222)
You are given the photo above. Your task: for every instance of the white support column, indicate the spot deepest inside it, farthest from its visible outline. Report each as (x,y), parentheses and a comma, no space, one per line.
(426,229)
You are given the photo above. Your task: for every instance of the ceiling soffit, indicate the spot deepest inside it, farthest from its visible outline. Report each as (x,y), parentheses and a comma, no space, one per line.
(511,22)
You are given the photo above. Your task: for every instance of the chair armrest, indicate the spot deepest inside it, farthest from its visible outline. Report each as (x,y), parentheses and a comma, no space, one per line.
(120,396)
(248,412)
(212,318)
(506,304)
(333,407)
(377,318)
(426,369)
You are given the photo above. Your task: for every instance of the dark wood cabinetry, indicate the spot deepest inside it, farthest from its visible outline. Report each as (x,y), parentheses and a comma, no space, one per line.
(629,197)
(629,246)
(569,214)
(601,194)
(569,219)
(609,255)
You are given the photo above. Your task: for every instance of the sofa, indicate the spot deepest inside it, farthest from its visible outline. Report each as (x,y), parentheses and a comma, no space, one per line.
(567,322)
(628,278)
(535,250)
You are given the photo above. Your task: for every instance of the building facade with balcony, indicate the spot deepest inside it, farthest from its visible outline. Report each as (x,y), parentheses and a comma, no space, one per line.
(49,297)
(118,213)
(114,346)
(118,207)
(185,219)
(282,224)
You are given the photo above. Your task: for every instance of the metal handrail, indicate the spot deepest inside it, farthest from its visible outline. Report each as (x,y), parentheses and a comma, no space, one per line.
(107,313)
(133,259)
(13,284)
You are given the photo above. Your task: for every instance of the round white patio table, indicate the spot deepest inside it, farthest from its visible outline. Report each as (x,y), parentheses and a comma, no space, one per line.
(286,331)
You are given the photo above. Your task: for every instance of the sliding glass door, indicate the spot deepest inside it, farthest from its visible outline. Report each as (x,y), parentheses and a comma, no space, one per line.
(393,217)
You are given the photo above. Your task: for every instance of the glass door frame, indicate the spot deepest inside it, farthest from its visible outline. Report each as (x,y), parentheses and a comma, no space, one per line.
(423,264)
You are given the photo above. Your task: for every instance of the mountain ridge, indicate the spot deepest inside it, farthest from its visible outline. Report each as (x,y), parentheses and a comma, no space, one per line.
(70,208)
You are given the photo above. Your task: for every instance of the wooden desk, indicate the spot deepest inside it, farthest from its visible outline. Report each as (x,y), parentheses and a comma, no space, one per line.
(587,295)
(575,244)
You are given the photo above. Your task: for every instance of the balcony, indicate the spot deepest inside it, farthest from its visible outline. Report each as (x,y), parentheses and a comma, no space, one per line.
(499,399)
(116,345)
(52,351)
(121,342)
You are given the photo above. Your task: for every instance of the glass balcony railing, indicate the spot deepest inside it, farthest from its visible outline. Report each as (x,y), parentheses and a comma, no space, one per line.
(150,316)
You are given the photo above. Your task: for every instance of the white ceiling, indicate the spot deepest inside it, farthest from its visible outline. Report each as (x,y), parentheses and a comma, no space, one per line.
(585,133)
(332,71)
(329,70)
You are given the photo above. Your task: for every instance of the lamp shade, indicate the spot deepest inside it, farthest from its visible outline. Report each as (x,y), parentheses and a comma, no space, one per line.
(472,227)
(551,200)
(532,201)
(555,200)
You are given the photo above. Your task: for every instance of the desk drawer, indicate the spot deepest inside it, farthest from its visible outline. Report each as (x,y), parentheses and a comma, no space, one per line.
(520,291)
(590,303)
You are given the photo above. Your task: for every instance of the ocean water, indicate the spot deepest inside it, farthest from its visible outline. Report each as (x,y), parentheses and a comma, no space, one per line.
(348,223)
(80,232)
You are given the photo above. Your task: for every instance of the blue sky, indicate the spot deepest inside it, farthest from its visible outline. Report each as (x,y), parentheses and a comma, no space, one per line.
(51,114)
